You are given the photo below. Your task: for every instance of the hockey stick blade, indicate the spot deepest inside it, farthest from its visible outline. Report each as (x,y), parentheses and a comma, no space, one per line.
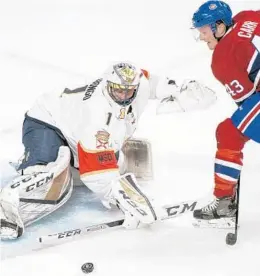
(171,211)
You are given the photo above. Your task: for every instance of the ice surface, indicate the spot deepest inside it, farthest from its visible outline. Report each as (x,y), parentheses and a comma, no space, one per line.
(47,45)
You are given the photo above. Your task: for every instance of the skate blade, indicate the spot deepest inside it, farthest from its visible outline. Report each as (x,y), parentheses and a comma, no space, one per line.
(222,223)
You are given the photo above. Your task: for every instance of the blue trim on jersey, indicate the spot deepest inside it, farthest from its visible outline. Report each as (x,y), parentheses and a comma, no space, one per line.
(234,173)
(245,107)
(253,130)
(255,68)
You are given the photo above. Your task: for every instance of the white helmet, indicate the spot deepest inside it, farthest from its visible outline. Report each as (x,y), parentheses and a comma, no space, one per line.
(121,82)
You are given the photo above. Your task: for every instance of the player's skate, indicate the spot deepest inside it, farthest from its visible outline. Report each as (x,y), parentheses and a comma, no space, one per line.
(220,213)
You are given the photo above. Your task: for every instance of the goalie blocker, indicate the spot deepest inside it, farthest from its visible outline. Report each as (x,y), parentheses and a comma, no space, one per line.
(137,159)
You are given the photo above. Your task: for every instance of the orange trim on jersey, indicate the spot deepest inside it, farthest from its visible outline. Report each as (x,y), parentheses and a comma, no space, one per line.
(146,73)
(94,150)
(96,161)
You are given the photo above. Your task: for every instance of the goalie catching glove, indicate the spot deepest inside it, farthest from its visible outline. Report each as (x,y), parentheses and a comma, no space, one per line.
(131,200)
(191,95)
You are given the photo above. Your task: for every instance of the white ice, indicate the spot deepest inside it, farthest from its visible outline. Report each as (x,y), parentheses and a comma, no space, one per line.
(47,45)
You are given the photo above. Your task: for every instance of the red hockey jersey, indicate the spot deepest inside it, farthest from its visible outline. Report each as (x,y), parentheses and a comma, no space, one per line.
(236,58)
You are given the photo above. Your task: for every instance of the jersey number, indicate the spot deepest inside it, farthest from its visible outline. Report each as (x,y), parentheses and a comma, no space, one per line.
(234,88)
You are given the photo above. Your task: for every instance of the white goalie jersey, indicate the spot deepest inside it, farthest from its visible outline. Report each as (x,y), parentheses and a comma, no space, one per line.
(96,128)
(86,117)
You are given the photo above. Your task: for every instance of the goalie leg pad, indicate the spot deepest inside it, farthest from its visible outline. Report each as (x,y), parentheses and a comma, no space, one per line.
(43,189)
(138,158)
(11,224)
(131,199)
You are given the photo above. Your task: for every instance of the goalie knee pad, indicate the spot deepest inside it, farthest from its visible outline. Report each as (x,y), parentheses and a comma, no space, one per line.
(138,158)
(132,200)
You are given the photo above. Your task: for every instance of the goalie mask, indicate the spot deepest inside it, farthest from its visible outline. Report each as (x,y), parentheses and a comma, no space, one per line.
(121,83)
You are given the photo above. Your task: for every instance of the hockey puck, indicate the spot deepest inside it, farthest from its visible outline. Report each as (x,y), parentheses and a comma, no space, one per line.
(231,239)
(87,267)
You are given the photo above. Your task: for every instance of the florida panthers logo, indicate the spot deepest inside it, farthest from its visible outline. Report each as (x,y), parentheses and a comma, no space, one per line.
(102,139)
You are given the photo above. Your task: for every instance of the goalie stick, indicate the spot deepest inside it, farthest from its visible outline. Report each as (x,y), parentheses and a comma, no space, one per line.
(171,212)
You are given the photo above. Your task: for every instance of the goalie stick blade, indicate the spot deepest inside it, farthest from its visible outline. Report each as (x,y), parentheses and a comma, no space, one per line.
(223,223)
(170,211)
(79,231)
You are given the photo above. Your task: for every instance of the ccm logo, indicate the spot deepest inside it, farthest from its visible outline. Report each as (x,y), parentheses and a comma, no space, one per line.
(33,185)
(180,209)
(69,233)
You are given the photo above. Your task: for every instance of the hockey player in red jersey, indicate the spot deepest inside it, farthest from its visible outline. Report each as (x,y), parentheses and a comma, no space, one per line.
(236,64)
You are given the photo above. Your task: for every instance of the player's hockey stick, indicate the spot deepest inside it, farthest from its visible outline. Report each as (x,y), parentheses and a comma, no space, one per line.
(171,212)
(231,238)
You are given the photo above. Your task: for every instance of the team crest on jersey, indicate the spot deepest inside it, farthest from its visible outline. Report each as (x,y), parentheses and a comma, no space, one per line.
(212,7)
(102,139)
(126,72)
